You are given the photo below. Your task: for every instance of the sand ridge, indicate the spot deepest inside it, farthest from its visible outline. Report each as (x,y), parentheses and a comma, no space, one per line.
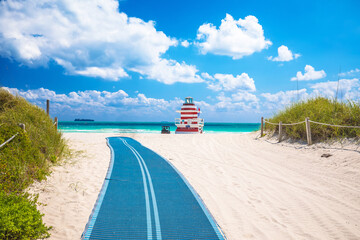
(254,188)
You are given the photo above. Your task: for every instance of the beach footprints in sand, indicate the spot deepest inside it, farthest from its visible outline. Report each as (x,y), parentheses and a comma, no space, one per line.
(78,187)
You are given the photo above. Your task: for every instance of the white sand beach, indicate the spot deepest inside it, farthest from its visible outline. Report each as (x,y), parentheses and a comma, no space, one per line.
(254,188)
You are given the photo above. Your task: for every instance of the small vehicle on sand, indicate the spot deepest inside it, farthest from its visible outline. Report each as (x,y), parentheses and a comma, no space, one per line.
(165,130)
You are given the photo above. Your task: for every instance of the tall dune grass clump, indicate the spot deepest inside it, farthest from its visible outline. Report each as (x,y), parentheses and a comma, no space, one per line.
(27,158)
(319,109)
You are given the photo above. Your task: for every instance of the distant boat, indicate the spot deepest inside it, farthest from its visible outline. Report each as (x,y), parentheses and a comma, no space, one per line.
(83,120)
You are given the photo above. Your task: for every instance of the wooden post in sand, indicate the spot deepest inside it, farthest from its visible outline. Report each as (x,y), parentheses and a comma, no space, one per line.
(308,131)
(47,106)
(280,131)
(56,123)
(262,127)
(22,125)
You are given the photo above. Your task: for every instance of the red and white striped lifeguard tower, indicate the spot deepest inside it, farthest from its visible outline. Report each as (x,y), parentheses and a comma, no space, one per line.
(189,121)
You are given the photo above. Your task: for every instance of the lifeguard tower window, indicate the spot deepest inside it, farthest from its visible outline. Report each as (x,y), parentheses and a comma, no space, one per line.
(188,100)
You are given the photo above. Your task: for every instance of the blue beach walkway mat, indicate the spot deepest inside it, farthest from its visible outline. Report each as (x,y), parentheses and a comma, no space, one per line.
(145,197)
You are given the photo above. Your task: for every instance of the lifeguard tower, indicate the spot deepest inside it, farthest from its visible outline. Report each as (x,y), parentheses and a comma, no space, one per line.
(189,121)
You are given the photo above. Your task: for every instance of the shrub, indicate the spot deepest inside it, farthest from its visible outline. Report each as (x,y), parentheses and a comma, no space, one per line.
(23,160)
(322,110)
(19,218)
(28,156)
(20,161)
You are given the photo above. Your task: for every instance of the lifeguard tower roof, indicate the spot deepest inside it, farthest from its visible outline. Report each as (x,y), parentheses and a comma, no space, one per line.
(188,101)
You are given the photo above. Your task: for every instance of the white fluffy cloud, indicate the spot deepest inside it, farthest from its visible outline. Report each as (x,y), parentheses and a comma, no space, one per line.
(234,38)
(90,38)
(101,104)
(241,101)
(170,71)
(349,89)
(352,72)
(309,74)
(229,82)
(224,102)
(185,43)
(284,98)
(244,96)
(346,88)
(284,55)
(106,73)
(119,106)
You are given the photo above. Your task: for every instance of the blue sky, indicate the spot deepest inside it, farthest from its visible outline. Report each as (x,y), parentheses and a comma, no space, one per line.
(137,60)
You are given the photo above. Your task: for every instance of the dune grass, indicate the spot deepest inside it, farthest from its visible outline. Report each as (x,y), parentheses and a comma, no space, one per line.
(319,109)
(27,158)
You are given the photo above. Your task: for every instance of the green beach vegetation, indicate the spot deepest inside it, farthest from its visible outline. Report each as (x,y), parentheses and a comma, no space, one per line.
(27,158)
(323,110)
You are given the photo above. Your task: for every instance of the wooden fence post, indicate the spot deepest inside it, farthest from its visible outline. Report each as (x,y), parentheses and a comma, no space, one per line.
(280,131)
(262,127)
(22,125)
(47,106)
(56,123)
(308,131)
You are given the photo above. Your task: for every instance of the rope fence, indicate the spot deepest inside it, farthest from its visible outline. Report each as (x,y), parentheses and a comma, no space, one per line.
(285,124)
(307,125)
(9,140)
(56,122)
(331,125)
(270,123)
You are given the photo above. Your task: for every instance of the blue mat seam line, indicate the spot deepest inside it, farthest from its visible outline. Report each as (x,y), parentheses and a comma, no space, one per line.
(90,225)
(211,219)
(155,208)
(147,201)
(148,187)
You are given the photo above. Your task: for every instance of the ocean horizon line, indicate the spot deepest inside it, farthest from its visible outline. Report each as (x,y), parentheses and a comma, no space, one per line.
(150,127)
(95,121)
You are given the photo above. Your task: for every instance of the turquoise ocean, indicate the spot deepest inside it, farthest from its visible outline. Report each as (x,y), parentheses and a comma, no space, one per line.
(150,127)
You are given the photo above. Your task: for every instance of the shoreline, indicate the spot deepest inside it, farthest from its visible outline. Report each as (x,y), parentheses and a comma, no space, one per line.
(149,132)
(254,188)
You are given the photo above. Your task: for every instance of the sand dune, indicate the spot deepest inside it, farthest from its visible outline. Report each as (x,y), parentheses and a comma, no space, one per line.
(255,188)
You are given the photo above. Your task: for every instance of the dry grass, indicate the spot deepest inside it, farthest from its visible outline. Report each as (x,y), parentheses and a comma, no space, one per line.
(322,110)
